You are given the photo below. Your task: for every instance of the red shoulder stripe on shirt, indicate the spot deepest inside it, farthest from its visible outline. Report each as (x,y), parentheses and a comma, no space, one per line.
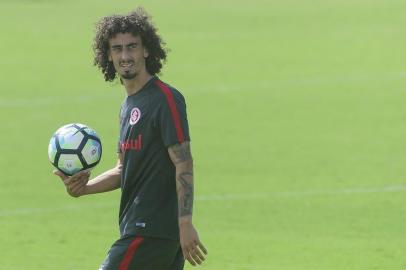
(174,111)
(125,263)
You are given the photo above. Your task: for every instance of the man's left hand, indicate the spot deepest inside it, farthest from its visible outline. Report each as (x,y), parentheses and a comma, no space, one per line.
(192,248)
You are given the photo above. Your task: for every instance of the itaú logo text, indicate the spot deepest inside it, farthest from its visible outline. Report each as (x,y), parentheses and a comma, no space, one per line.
(132,144)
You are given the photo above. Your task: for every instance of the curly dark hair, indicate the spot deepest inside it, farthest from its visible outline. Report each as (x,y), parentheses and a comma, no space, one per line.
(137,23)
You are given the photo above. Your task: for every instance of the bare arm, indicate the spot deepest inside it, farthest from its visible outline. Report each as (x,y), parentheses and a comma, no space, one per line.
(181,157)
(79,184)
(107,181)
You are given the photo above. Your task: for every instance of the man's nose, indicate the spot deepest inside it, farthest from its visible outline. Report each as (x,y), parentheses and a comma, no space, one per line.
(125,54)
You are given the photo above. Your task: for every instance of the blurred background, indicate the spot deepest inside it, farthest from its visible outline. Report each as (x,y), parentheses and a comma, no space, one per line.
(297,119)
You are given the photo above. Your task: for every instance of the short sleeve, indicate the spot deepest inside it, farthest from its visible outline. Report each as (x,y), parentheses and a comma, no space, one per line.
(119,147)
(120,119)
(173,123)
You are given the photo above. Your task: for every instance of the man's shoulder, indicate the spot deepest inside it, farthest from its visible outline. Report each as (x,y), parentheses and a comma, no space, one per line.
(166,92)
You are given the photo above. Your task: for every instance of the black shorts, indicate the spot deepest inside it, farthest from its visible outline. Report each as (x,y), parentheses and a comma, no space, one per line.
(144,253)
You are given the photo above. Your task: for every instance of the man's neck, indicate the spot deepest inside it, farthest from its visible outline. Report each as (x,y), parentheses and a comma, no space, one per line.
(134,85)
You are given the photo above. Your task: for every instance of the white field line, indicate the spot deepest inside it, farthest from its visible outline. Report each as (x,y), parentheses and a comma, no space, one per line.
(214,198)
(52,100)
(44,210)
(303,193)
(17,102)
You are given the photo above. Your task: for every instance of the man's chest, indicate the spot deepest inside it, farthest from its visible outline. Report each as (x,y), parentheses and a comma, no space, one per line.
(138,124)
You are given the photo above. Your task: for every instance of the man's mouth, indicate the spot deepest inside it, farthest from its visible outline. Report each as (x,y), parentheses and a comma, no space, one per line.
(126,65)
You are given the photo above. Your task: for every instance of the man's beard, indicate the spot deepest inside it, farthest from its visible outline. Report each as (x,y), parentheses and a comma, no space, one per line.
(128,76)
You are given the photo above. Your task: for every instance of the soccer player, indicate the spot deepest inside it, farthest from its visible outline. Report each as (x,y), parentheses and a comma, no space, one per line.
(155,166)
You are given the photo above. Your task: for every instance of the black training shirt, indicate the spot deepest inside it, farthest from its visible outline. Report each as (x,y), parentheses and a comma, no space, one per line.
(150,120)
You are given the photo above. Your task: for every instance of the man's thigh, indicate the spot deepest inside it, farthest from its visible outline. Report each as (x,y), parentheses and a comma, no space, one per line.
(144,253)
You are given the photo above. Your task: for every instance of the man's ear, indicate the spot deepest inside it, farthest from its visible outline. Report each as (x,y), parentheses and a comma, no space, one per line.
(146,53)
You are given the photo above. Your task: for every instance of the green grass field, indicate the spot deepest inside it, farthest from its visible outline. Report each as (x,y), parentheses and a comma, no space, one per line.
(297,115)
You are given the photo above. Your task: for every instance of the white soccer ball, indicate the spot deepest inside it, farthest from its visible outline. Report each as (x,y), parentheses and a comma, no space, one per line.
(73,148)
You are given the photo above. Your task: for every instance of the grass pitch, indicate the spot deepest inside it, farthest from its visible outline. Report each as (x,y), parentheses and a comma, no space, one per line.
(297,119)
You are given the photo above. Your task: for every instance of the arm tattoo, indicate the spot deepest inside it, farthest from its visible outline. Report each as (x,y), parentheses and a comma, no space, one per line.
(181,152)
(185,194)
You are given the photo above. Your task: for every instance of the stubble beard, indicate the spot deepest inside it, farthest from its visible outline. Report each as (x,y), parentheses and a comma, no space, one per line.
(128,76)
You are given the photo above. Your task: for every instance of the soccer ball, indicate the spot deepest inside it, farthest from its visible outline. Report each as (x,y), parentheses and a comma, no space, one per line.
(73,148)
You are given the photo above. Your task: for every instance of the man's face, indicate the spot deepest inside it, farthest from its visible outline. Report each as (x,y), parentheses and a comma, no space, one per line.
(127,54)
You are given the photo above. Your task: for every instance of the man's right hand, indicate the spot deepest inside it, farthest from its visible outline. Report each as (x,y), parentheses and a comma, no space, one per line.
(75,184)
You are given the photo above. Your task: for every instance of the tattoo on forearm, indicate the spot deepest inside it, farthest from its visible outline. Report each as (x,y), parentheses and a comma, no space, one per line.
(185,193)
(181,153)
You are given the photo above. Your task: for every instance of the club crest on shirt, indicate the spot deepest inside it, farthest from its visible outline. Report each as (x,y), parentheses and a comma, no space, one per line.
(135,116)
